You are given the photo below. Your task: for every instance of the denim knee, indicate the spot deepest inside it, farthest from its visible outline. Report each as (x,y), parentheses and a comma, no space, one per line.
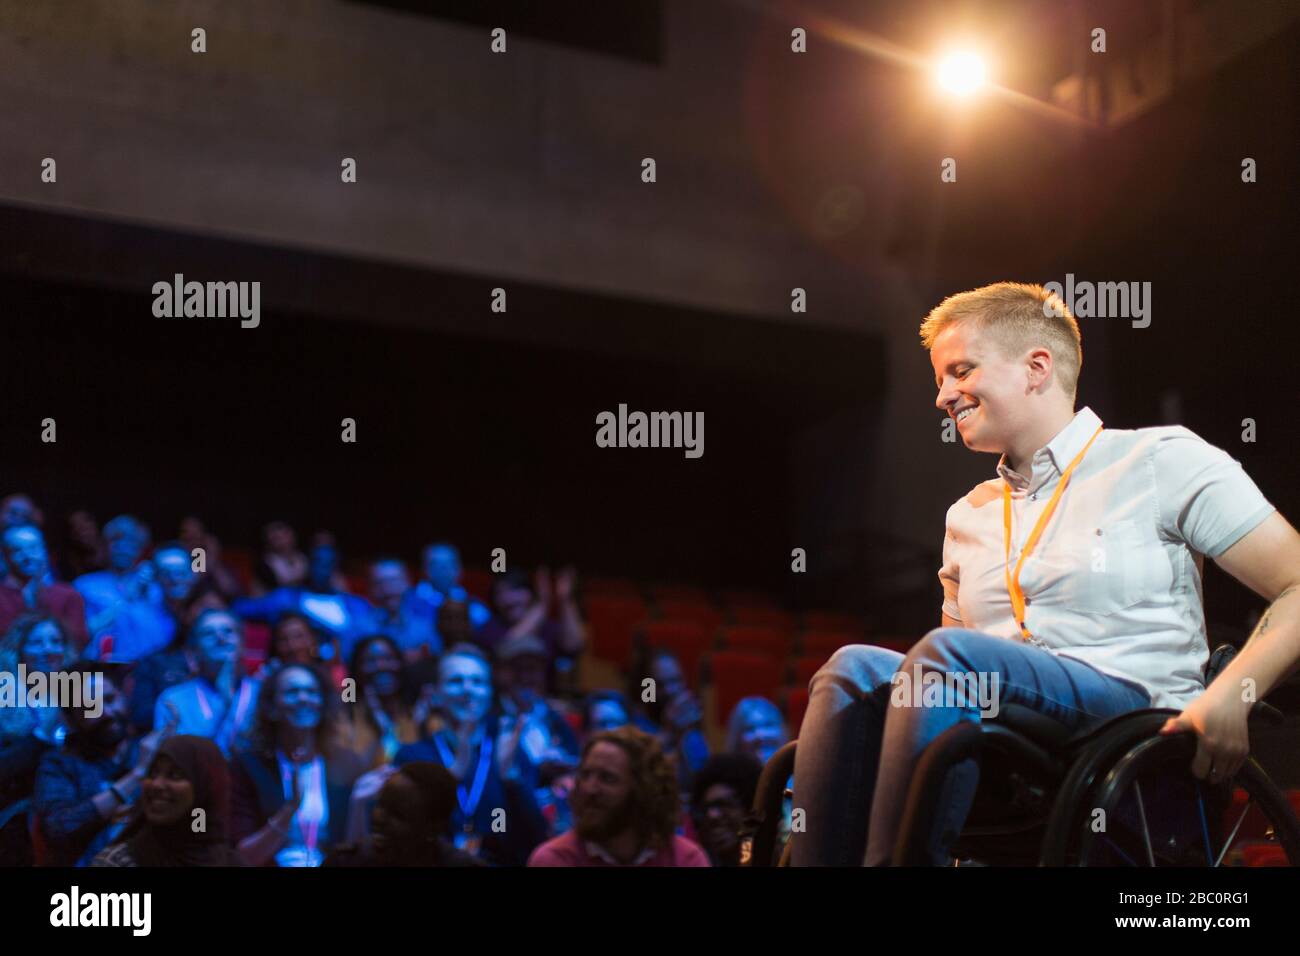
(941,648)
(859,667)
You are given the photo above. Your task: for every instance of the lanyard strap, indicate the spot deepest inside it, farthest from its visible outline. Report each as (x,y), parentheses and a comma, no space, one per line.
(1013,582)
(469,799)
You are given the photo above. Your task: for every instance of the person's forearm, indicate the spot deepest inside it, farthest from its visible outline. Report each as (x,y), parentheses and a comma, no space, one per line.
(530,622)
(1270,655)
(128,785)
(573,633)
(260,848)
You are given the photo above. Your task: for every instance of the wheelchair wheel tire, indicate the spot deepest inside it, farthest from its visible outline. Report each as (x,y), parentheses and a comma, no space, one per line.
(1154,812)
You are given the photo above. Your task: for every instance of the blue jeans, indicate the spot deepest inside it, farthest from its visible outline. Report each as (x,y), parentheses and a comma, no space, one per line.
(865,730)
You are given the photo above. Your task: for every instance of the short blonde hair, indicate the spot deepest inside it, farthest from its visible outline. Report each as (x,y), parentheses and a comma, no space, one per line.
(1019,316)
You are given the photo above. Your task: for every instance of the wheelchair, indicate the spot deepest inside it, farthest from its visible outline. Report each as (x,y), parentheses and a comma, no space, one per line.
(1117,794)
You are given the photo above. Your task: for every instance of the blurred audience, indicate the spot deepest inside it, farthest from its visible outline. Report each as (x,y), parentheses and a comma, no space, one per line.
(83,788)
(86,551)
(290,786)
(669,710)
(721,794)
(27,728)
(31,587)
(377,722)
(409,822)
(220,701)
(183,815)
(282,564)
(440,586)
(756,728)
(497,817)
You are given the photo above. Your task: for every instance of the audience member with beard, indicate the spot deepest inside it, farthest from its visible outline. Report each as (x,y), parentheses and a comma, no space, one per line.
(82,789)
(625,808)
(721,795)
(409,822)
(187,774)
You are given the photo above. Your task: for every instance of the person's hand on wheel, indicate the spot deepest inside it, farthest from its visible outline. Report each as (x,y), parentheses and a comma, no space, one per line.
(1219,721)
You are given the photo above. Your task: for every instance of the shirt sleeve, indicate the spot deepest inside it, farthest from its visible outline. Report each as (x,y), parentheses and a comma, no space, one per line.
(949,577)
(65,815)
(1204,496)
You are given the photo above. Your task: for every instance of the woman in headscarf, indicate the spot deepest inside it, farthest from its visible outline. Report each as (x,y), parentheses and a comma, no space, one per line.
(183,815)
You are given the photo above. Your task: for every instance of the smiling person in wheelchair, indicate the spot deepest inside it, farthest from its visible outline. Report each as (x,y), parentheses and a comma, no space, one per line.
(1072,587)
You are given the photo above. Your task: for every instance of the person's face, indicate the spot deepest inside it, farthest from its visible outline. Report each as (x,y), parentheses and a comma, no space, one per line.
(465,686)
(125,545)
(602,796)
(25,552)
(971,372)
(108,727)
(83,527)
(379,665)
(298,699)
(294,641)
(192,532)
(43,649)
(175,573)
(607,715)
(442,568)
(166,795)
(217,639)
(760,734)
(512,602)
(280,539)
(722,814)
(18,509)
(399,820)
(387,585)
(667,674)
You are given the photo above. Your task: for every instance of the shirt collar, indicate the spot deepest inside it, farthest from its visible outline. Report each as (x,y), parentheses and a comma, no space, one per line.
(598,852)
(1056,454)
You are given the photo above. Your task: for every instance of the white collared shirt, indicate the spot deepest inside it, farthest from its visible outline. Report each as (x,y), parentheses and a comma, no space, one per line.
(1115,579)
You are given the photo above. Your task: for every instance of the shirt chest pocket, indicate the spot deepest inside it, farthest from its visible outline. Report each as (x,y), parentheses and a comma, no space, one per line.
(1097,569)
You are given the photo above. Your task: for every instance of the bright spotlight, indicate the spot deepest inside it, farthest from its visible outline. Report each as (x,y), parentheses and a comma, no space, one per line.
(961,73)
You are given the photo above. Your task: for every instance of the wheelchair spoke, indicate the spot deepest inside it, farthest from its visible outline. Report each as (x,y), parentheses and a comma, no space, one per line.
(1205,826)
(1116,847)
(1233,835)
(1146,833)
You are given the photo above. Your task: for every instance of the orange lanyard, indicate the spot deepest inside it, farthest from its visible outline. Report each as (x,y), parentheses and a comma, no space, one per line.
(1013,583)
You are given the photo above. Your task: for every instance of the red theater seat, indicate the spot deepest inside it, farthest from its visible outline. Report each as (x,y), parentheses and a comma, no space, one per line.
(796,705)
(690,609)
(765,616)
(832,621)
(805,667)
(764,640)
(826,643)
(739,674)
(611,623)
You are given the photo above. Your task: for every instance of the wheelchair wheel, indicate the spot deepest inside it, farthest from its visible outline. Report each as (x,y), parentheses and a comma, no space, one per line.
(1147,809)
